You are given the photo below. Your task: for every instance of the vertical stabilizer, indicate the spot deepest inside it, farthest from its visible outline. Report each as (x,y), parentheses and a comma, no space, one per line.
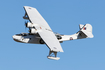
(87,30)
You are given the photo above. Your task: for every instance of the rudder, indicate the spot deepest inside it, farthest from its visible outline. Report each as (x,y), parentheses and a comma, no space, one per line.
(86,31)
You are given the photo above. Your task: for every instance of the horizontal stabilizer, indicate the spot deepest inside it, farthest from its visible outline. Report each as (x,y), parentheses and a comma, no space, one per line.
(88,34)
(53,58)
(80,26)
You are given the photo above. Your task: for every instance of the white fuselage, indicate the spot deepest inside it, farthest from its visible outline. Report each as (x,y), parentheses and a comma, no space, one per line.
(36,39)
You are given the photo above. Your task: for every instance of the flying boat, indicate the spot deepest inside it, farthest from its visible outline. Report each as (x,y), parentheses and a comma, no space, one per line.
(41,33)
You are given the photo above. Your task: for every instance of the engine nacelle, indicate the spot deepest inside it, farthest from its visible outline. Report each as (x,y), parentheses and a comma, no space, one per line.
(33,31)
(29,25)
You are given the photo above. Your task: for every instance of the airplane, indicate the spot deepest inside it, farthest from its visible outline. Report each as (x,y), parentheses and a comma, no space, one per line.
(41,33)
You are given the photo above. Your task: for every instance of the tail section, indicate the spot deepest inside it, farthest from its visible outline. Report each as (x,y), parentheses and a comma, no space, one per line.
(85,31)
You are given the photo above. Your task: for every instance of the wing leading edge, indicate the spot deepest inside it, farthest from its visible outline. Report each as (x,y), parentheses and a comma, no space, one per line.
(45,31)
(35,17)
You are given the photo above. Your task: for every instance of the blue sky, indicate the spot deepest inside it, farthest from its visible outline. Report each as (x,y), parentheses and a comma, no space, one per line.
(64,17)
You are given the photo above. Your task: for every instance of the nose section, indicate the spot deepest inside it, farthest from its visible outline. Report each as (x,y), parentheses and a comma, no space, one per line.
(16,38)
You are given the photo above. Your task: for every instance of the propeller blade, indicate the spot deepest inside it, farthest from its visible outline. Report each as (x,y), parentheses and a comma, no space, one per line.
(25,25)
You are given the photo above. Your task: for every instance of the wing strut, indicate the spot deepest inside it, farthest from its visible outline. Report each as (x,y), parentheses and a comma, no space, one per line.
(26,16)
(50,56)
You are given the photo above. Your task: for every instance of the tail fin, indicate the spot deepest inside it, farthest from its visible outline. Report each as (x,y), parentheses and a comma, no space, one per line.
(85,31)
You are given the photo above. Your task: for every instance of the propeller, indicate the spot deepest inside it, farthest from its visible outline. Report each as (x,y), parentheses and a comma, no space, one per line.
(29,30)
(27,27)
(25,24)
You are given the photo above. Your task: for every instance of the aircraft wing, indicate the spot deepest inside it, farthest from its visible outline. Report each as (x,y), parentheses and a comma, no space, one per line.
(35,17)
(44,29)
(50,39)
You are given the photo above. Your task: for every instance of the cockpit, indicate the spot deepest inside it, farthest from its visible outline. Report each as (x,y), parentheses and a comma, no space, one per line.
(22,34)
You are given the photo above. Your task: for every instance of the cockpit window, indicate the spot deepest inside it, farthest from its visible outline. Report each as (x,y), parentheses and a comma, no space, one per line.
(24,34)
(21,34)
